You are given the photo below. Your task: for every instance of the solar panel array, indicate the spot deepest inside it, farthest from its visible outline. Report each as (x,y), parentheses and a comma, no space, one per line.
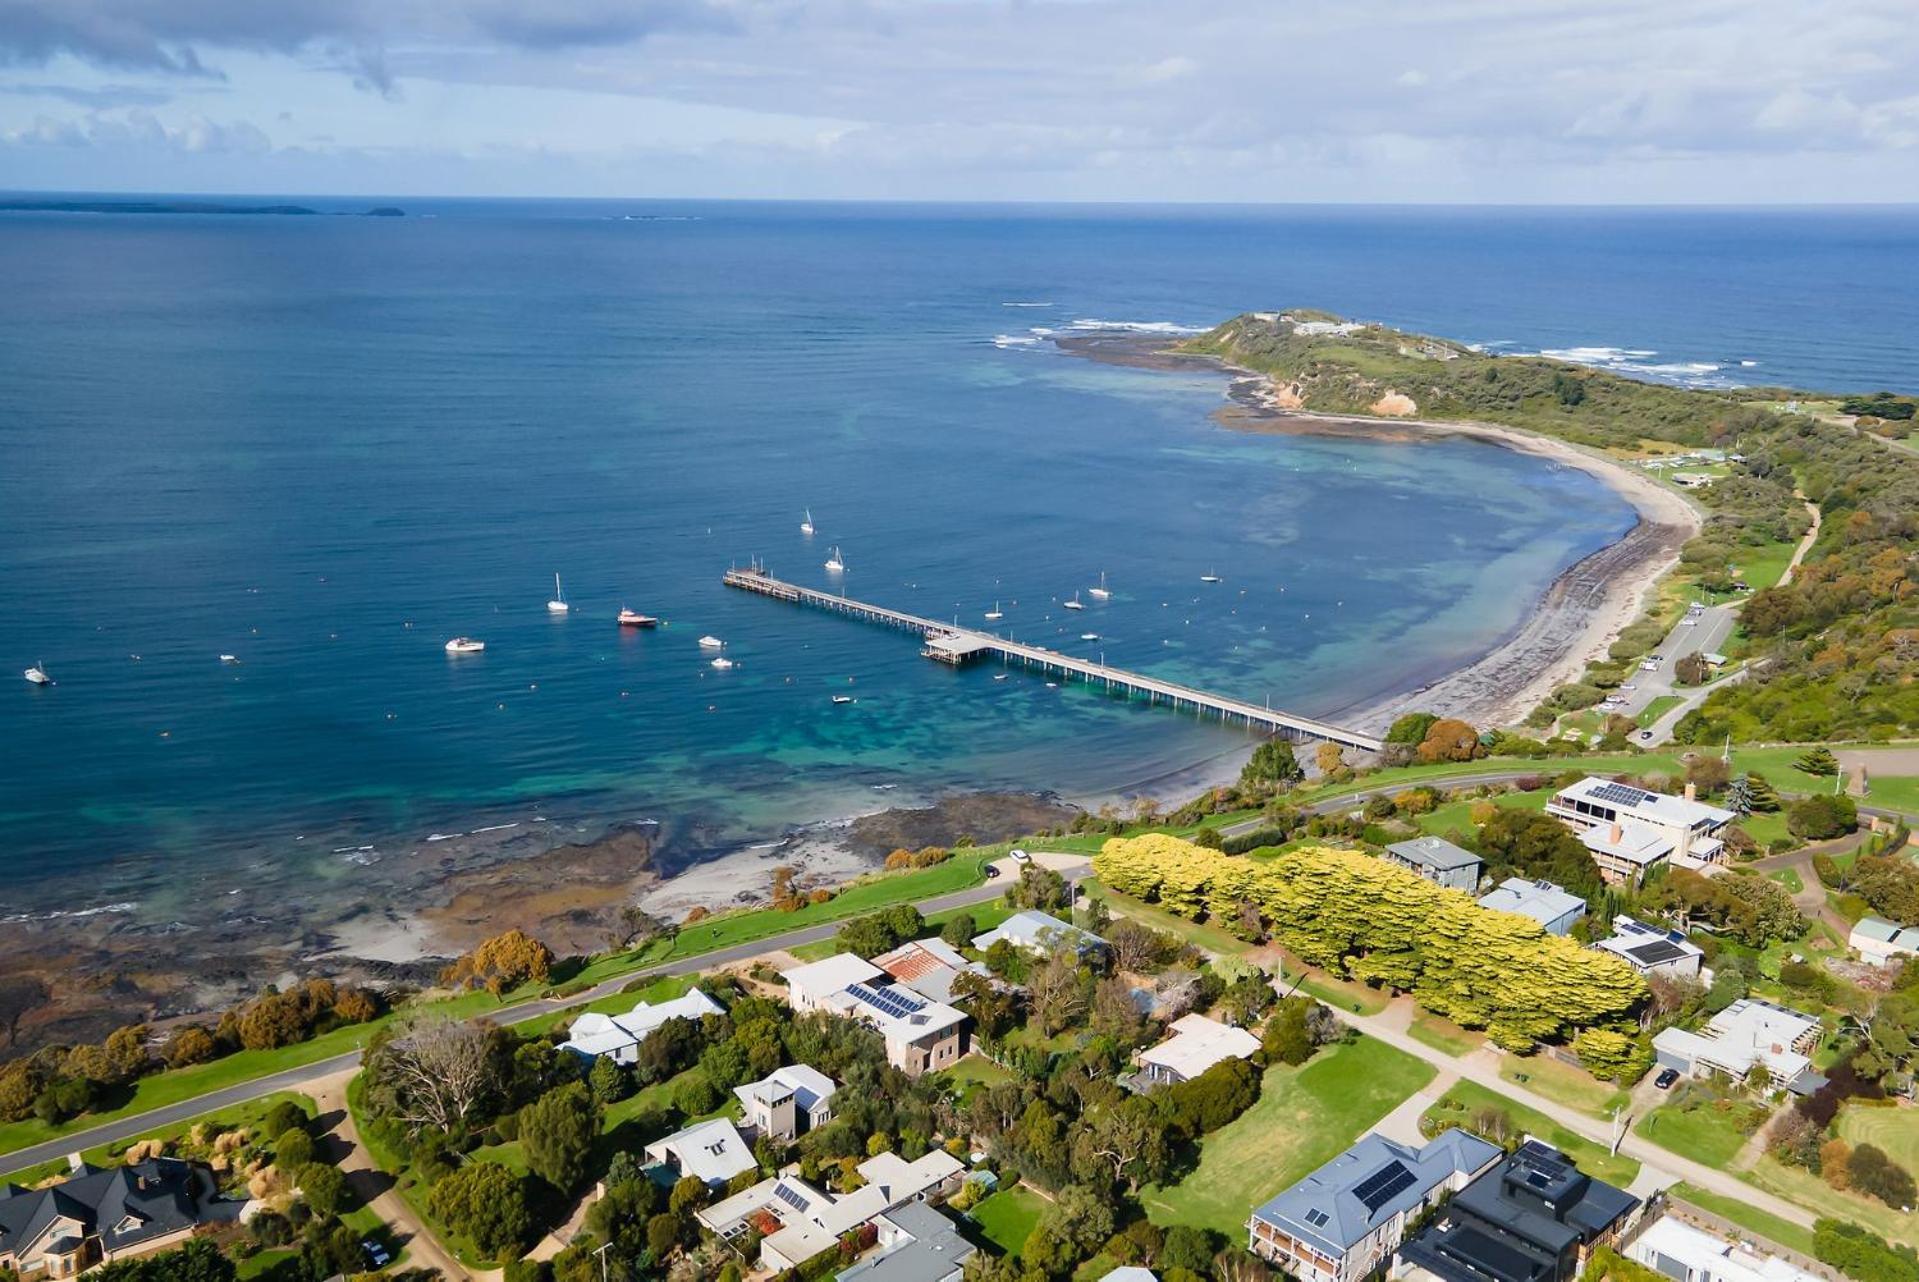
(890,1001)
(789,1197)
(1620,794)
(1383,1185)
(1317,1218)
(1657,952)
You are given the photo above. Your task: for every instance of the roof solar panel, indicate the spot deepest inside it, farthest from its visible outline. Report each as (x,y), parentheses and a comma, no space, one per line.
(1383,1185)
(1317,1218)
(1621,795)
(891,1001)
(788,1196)
(1656,952)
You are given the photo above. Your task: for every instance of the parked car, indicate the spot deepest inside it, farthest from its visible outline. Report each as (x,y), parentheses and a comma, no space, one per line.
(1020,856)
(1645,734)
(992,871)
(1667,1076)
(376,1253)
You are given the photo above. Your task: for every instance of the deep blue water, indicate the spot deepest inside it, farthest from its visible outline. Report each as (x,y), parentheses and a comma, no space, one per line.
(327,445)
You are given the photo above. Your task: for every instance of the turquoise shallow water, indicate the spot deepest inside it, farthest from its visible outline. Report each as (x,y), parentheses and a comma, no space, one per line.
(327,445)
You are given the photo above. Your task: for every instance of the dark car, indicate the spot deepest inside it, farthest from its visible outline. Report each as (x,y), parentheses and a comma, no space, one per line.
(1667,1076)
(1645,734)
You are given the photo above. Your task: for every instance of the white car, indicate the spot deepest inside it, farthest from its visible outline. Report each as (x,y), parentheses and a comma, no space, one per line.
(1688,623)
(1019,856)
(1627,685)
(1650,665)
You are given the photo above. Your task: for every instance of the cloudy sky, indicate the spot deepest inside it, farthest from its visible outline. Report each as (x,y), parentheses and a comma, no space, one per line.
(1714,101)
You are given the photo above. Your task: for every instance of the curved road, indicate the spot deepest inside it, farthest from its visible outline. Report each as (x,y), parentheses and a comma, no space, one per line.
(306,1075)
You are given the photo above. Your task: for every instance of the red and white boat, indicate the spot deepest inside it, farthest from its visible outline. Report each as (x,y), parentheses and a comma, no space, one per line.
(634,619)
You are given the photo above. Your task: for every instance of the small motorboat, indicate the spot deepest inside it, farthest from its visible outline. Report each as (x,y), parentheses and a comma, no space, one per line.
(806,526)
(722,663)
(835,564)
(1210,577)
(711,643)
(1001,676)
(1089,636)
(558,604)
(994,615)
(844,698)
(229,658)
(37,674)
(634,619)
(1101,592)
(464,645)
(1074,604)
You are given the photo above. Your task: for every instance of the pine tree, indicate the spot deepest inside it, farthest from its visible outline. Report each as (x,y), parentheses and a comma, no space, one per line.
(1765,798)
(1818,761)
(1739,796)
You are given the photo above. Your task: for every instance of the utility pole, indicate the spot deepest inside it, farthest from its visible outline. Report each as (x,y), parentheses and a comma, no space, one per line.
(601,1252)
(1618,1129)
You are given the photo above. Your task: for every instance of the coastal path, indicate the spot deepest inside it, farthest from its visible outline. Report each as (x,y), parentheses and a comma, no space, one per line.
(305,1076)
(952,644)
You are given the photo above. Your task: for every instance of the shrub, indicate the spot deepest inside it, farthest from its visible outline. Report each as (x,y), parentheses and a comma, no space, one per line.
(1822,816)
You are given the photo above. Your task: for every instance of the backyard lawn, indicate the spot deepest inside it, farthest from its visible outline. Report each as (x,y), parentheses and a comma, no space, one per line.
(1562,1083)
(1305,1117)
(1463,1100)
(1699,1129)
(1008,1216)
(1767,1225)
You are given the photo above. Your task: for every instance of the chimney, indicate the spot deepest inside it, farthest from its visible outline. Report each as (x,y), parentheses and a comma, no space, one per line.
(1692,792)
(1615,834)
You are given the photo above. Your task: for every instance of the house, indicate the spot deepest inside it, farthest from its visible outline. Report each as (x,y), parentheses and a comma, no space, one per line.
(1630,830)
(792,1099)
(619,1036)
(713,1150)
(1748,1033)
(1878,940)
(921,1035)
(101,1214)
(1130,1273)
(1038,932)
(1342,1222)
(928,966)
(797,1221)
(1553,907)
(916,1244)
(1533,1217)
(1652,951)
(1438,861)
(1687,1254)
(1197,1043)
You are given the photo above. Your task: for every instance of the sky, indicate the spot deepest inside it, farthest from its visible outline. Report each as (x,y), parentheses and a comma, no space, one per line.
(1403,101)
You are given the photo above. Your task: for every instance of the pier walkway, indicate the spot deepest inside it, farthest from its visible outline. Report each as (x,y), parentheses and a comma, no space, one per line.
(955,645)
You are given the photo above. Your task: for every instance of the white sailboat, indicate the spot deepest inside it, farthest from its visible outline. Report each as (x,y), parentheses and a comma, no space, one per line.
(835,564)
(1210,576)
(722,663)
(1074,604)
(806,526)
(558,604)
(1101,592)
(994,615)
(37,674)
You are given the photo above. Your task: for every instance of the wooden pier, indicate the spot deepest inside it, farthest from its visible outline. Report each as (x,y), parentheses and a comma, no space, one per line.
(955,645)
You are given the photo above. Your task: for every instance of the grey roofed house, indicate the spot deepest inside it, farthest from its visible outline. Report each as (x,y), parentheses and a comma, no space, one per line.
(1329,1225)
(1037,932)
(1437,860)
(100,1214)
(918,1245)
(1551,906)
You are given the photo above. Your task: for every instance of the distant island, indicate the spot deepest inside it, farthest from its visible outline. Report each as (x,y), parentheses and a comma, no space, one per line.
(177,207)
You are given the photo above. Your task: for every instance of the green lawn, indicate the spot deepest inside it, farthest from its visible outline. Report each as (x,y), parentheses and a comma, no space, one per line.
(1562,1083)
(1767,1225)
(238,1115)
(1210,938)
(1443,1035)
(1894,792)
(1008,1216)
(1457,1106)
(985,916)
(1790,879)
(1305,1117)
(1813,1193)
(1704,1133)
(1456,816)
(1658,708)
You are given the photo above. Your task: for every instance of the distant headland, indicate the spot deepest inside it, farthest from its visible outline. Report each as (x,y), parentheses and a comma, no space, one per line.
(179,207)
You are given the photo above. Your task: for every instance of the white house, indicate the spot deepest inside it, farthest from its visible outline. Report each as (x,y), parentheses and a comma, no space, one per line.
(921,1035)
(1688,1254)
(915,1244)
(713,1150)
(1630,830)
(1746,1033)
(1197,1043)
(1038,932)
(619,1036)
(928,966)
(798,1221)
(790,1100)
(1652,951)
(1878,940)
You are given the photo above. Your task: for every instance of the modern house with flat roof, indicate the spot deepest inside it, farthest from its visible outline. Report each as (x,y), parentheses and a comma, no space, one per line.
(101,1214)
(1749,1032)
(797,1221)
(1438,861)
(916,1244)
(1631,831)
(928,966)
(1553,907)
(1687,1254)
(1533,1217)
(1038,932)
(619,1036)
(1195,1045)
(714,1150)
(921,1034)
(789,1100)
(1653,951)
(1342,1222)
(1878,940)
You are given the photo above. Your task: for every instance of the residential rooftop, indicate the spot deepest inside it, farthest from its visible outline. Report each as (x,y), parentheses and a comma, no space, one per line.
(1343,1202)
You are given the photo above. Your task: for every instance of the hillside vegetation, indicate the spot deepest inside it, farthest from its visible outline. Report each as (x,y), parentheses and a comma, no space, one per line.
(1835,652)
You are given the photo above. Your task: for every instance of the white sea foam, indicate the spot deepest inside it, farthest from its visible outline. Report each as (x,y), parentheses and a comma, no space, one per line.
(68,914)
(1637,361)
(1136,327)
(1027,304)
(1015,340)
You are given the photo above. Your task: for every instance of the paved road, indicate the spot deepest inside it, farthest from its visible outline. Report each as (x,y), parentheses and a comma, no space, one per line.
(139,1124)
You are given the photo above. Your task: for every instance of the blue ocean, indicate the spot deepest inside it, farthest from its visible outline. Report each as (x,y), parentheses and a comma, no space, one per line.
(326,445)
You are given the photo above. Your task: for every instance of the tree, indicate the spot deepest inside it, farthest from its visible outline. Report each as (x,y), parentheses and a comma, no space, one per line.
(1122,1143)
(484,1203)
(1138,947)
(1536,845)
(959,929)
(1739,796)
(199,1260)
(434,1071)
(323,1187)
(1289,1037)
(283,1117)
(1765,798)
(1871,1171)
(558,1130)
(1208,838)
(1072,1227)
(1817,761)
(1691,669)
(1411,728)
(1449,739)
(1037,887)
(1822,816)
(1272,763)
(1058,992)
(293,1150)
(502,964)
(608,1080)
